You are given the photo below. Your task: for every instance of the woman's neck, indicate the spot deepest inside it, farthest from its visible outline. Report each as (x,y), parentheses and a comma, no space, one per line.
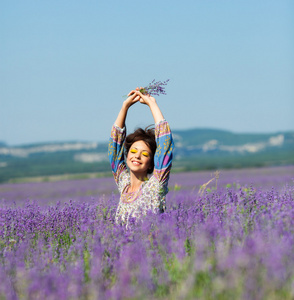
(136,181)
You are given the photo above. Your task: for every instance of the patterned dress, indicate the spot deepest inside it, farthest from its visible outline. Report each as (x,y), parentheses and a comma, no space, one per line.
(151,195)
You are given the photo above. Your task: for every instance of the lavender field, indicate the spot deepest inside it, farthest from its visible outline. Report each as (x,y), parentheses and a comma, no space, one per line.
(232,240)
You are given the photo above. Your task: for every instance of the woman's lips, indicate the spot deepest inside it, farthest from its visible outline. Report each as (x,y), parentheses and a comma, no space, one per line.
(136,163)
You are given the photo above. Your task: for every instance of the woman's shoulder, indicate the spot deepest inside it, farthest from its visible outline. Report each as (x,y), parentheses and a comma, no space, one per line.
(152,181)
(155,187)
(123,180)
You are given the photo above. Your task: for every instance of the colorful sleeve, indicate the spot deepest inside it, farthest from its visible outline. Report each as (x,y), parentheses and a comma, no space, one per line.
(163,155)
(116,152)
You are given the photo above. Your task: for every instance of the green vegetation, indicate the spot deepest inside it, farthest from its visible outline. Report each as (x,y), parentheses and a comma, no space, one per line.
(219,161)
(190,155)
(62,166)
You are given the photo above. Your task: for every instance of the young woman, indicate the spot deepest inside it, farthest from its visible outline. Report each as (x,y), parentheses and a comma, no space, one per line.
(147,151)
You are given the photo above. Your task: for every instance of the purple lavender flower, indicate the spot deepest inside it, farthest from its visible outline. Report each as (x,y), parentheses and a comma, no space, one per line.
(211,244)
(155,88)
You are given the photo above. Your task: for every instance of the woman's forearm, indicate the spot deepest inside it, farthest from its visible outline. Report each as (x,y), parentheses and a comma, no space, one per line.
(156,112)
(151,102)
(133,97)
(121,118)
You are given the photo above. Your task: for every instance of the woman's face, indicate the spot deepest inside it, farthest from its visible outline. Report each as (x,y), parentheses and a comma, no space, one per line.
(139,158)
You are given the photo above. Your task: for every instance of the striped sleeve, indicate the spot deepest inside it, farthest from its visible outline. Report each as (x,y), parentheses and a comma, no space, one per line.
(164,151)
(116,151)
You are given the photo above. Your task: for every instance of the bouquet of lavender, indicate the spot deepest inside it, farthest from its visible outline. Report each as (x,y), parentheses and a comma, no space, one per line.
(154,88)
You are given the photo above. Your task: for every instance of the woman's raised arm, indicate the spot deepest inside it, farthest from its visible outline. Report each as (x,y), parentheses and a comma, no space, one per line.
(133,97)
(151,102)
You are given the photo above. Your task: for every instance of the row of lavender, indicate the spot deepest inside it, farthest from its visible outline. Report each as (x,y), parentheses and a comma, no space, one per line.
(81,190)
(234,242)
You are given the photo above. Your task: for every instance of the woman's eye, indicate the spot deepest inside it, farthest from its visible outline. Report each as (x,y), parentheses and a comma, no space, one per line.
(145,154)
(133,151)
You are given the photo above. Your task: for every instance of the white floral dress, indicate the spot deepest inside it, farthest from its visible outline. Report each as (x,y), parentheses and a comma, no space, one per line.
(151,195)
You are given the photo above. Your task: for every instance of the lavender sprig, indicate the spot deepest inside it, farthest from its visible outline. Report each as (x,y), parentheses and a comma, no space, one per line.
(155,88)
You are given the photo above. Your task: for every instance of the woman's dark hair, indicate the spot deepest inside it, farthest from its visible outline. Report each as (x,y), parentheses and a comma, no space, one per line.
(146,135)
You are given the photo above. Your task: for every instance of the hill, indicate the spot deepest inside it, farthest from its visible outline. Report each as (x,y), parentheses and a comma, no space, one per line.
(195,149)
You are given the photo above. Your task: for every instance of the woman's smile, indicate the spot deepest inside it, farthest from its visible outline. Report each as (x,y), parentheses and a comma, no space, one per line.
(139,157)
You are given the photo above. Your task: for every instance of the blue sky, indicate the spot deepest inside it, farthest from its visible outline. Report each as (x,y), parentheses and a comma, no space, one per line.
(65,66)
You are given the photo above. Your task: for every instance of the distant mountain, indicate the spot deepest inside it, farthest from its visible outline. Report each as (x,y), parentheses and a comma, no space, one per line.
(207,140)
(27,150)
(194,149)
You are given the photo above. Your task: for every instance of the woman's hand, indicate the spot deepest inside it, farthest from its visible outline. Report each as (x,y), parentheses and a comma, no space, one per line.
(151,102)
(145,98)
(133,97)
